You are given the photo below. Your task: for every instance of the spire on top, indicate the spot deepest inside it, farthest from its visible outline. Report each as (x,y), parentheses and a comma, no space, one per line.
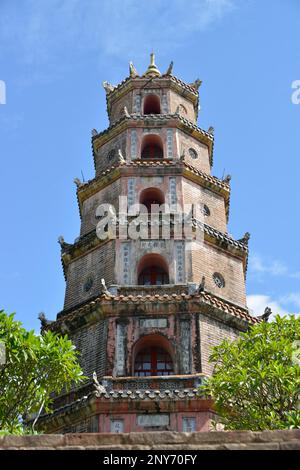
(152,70)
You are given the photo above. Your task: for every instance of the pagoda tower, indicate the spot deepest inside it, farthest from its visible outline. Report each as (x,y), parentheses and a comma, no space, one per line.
(145,304)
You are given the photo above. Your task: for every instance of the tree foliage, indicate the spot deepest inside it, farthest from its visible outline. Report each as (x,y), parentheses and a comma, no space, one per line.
(34,368)
(256,379)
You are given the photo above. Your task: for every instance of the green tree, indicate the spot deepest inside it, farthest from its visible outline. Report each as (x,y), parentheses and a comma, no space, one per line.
(32,368)
(256,379)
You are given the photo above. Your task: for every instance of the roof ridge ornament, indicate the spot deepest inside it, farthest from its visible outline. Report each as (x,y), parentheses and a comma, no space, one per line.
(196,84)
(108,87)
(245,239)
(132,70)
(170,68)
(152,69)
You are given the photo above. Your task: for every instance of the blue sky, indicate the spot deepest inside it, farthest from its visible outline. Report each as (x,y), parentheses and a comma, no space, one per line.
(53,57)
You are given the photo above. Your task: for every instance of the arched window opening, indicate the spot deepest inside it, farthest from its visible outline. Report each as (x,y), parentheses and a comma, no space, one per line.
(152,197)
(153,361)
(153,271)
(152,147)
(153,276)
(151,104)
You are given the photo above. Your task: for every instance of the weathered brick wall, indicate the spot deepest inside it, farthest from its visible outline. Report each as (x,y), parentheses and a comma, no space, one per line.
(97,264)
(177,100)
(195,194)
(212,332)
(91,342)
(107,154)
(117,107)
(207,260)
(187,142)
(108,195)
(166,440)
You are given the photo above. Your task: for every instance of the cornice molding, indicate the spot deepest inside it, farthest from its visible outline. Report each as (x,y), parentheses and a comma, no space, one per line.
(153,120)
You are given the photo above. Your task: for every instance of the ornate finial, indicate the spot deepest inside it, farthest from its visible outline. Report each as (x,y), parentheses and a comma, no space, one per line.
(94,132)
(126,112)
(108,87)
(245,238)
(170,68)
(103,288)
(211,130)
(152,69)
(120,156)
(98,387)
(227,179)
(77,182)
(265,316)
(44,321)
(196,84)
(62,242)
(132,70)
(201,286)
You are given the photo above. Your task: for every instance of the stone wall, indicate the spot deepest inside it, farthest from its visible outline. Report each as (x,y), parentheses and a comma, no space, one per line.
(193,193)
(242,440)
(208,260)
(212,332)
(84,274)
(108,195)
(201,159)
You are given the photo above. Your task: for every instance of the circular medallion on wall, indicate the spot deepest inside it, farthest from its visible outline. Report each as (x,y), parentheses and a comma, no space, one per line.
(111,155)
(219,280)
(88,284)
(193,153)
(205,210)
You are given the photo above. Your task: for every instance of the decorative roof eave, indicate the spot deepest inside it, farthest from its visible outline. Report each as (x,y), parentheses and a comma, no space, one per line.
(85,244)
(110,305)
(227,244)
(114,172)
(221,240)
(130,83)
(136,120)
(91,187)
(212,182)
(97,402)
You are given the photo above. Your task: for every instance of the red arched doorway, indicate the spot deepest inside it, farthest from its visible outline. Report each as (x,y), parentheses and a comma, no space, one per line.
(153,271)
(151,197)
(151,104)
(152,147)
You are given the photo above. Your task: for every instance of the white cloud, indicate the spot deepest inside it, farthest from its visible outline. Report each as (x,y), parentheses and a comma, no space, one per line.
(295,275)
(292,298)
(40,31)
(257,304)
(259,266)
(274,267)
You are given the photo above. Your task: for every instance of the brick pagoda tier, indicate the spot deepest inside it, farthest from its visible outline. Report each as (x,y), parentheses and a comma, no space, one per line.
(148,329)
